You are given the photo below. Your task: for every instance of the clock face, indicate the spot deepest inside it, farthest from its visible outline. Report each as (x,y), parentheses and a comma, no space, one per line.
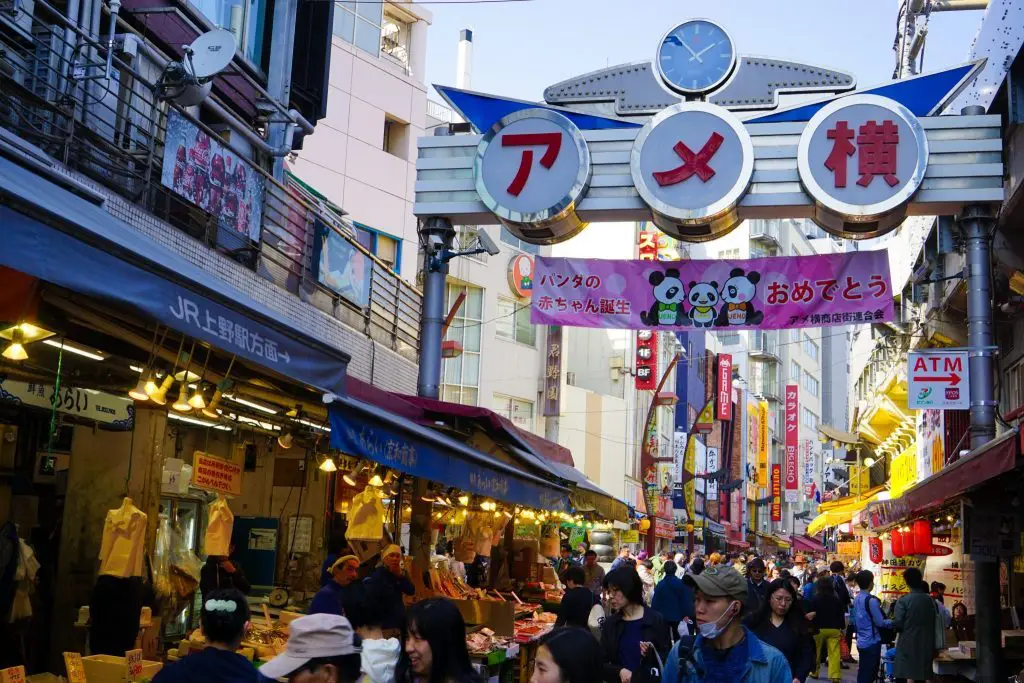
(696,56)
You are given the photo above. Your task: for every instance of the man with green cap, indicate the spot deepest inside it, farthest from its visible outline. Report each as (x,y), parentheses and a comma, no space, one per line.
(724,651)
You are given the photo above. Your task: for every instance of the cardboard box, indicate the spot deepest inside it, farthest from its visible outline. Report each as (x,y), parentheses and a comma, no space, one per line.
(111,669)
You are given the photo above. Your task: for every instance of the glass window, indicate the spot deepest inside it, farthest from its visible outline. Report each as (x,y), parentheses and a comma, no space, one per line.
(382,245)
(467,240)
(344,20)
(810,347)
(729,254)
(519,411)
(394,41)
(811,384)
(461,375)
(808,419)
(359,22)
(513,322)
(243,18)
(387,250)
(794,370)
(513,241)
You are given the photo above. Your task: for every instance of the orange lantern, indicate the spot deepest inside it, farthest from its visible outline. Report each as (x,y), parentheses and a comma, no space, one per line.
(645,524)
(875,551)
(922,533)
(896,539)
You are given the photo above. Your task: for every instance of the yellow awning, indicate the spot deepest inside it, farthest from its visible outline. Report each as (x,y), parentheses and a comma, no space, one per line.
(841,511)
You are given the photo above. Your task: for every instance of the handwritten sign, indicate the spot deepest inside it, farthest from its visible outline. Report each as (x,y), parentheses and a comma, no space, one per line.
(216,474)
(15,674)
(133,664)
(848,548)
(75,668)
(631,536)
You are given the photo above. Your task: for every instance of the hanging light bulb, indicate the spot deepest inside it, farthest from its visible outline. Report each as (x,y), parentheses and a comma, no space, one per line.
(286,439)
(159,396)
(211,408)
(181,404)
(350,476)
(139,393)
(463,500)
(429,496)
(497,513)
(16,349)
(197,401)
(151,385)
(376,480)
(328,465)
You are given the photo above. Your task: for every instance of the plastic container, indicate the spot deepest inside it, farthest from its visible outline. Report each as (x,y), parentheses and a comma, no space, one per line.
(111,668)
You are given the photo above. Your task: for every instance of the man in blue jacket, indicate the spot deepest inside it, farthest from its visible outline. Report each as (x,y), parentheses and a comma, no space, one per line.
(724,649)
(673,599)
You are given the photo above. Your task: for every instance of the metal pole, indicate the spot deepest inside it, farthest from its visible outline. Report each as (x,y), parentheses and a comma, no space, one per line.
(279,76)
(437,237)
(977,223)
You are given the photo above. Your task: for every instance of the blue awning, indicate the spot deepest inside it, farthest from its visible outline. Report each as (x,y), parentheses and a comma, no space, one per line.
(55,235)
(366,431)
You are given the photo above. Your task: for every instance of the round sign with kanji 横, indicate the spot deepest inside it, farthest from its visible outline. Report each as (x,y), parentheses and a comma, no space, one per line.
(691,164)
(531,170)
(861,158)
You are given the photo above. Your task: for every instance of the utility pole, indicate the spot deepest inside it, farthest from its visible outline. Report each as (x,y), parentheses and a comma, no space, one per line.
(437,237)
(279,77)
(977,223)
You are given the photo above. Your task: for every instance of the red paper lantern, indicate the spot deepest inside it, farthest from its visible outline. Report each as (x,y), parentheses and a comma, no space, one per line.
(897,543)
(875,551)
(922,534)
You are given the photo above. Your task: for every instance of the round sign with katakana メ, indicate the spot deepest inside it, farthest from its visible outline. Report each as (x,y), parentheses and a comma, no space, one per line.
(691,164)
(531,169)
(861,158)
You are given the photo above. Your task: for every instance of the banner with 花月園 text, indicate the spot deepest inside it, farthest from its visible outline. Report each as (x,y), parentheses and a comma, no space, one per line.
(766,293)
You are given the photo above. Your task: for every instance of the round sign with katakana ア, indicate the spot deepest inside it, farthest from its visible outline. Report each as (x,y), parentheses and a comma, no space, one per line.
(691,164)
(531,170)
(861,158)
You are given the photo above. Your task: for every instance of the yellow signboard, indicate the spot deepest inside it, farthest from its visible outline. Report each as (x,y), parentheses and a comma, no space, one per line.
(762,448)
(848,548)
(631,536)
(690,487)
(706,420)
(211,473)
(903,473)
(15,674)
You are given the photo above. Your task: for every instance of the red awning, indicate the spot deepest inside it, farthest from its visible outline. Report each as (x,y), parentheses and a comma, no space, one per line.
(807,544)
(978,467)
(735,543)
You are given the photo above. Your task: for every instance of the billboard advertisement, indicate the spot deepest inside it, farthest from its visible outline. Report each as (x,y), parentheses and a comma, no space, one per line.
(792,442)
(776,493)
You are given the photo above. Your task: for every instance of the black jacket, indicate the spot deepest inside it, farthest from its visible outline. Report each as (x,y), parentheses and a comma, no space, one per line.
(653,629)
(842,592)
(575,608)
(756,595)
(829,612)
(387,590)
(798,648)
(213,576)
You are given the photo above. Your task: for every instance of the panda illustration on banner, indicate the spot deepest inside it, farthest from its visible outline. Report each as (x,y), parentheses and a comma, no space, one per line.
(708,306)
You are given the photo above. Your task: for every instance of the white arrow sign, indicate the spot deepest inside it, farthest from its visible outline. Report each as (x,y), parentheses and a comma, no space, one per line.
(938,380)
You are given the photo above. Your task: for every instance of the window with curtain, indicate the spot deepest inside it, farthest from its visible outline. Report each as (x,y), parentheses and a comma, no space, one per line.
(359,22)
(460,380)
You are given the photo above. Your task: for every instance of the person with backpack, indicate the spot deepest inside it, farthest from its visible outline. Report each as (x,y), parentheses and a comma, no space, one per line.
(914,619)
(873,629)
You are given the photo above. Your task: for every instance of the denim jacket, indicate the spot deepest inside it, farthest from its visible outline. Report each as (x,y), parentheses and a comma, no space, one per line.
(766,665)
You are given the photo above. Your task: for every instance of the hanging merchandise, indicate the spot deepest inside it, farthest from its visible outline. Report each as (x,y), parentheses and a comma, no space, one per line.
(24,582)
(549,541)
(476,537)
(123,546)
(218,529)
(898,549)
(366,516)
(875,550)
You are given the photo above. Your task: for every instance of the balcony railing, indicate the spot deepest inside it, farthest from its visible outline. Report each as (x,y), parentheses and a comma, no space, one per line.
(764,344)
(767,387)
(113,131)
(764,230)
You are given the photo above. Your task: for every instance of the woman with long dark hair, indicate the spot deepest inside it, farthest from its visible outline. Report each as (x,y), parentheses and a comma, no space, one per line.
(781,622)
(568,655)
(830,620)
(435,645)
(628,635)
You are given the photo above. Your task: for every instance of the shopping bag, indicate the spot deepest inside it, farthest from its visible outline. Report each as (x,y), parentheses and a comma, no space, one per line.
(595,620)
(651,668)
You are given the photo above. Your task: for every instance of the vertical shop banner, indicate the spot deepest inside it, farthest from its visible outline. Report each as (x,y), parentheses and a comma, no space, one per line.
(931,442)
(646,360)
(712,483)
(679,455)
(808,469)
(770,293)
(776,493)
(754,437)
(762,447)
(200,169)
(552,406)
(340,265)
(724,395)
(690,487)
(792,442)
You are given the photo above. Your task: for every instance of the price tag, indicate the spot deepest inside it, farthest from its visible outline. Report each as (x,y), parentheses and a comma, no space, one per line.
(15,674)
(266,615)
(133,664)
(76,671)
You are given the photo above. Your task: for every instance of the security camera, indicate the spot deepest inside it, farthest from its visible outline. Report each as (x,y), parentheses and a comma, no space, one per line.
(487,244)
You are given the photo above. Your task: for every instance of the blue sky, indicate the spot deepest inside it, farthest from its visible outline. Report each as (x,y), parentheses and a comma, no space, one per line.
(522,47)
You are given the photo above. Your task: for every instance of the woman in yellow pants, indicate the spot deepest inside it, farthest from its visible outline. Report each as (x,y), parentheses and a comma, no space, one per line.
(830,620)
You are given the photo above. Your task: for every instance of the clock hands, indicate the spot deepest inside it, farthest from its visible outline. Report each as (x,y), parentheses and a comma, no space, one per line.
(696,55)
(690,50)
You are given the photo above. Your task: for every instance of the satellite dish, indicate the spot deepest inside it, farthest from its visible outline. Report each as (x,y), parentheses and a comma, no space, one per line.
(210,53)
(189,81)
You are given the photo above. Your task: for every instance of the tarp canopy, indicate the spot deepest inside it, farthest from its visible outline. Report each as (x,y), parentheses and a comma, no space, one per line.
(841,511)
(806,544)
(848,438)
(588,496)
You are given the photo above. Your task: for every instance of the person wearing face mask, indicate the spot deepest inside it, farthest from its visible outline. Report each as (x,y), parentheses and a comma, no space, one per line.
(567,655)
(632,630)
(724,650)
(322,648)
(435,645)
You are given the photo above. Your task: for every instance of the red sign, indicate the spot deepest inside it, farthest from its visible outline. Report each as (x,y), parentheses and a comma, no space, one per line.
(792,440)
(664,529)
(646,360)
(724,397)
(776,493)
(664,509)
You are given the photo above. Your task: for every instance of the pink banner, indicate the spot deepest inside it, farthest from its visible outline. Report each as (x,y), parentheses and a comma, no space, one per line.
(768,293)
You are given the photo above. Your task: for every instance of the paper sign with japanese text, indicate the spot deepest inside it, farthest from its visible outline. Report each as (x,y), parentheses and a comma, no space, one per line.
(211,473)
(631,536)
(75,668)
(133,665)
(792,441)
(552,404)
(15,674)
(769,293)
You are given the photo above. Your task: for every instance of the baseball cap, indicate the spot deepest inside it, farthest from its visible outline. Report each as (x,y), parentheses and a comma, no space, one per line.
(719,582)
(312,637)
(340,562)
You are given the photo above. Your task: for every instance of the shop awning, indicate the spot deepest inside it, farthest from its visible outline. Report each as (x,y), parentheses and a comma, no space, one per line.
(806,544)
(834,434)
(841,511)
(588,496)
(981,465)
(781,542)
(55,235)
(366,431)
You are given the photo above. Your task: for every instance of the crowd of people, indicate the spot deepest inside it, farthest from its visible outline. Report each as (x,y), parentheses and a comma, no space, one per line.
(670,618)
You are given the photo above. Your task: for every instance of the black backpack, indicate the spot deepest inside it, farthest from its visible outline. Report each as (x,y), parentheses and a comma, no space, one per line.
(886,635)
(686,660)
